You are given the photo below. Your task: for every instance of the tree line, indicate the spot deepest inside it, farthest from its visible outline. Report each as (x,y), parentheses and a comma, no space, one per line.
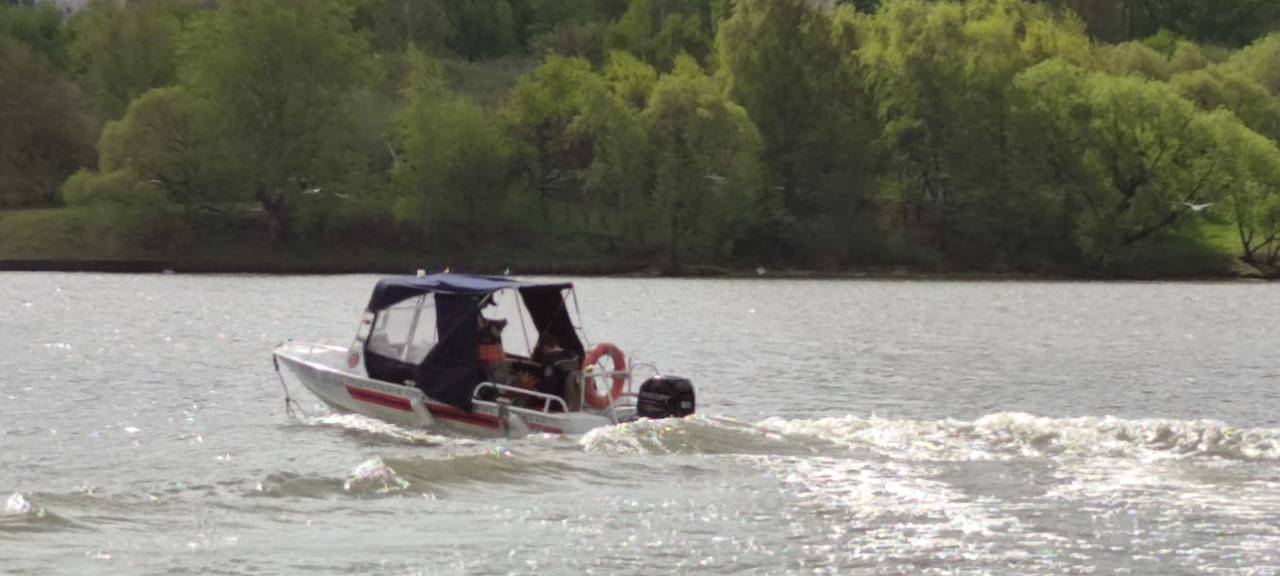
(1078,136)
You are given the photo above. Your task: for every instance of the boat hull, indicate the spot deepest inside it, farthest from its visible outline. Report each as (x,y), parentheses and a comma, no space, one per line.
(321,369)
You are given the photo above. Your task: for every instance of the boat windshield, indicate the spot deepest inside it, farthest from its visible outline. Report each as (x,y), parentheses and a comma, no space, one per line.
(405,331)
(520,334)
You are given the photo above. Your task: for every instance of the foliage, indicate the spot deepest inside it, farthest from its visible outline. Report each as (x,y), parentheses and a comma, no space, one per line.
(786,62)
(1078,136)
(394,25)
(46,134)
(1228,22)
(706,162)
(451,174)
(280,76)
(121,50)
(39,28)
(657,31)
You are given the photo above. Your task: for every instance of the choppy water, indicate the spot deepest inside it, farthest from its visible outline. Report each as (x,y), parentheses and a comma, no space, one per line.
(846,427)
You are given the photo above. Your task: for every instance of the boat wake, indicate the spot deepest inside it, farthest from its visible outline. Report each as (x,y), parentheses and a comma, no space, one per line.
(1001,489)
(1000,436)
(19,514)
(386,476)
(377,431)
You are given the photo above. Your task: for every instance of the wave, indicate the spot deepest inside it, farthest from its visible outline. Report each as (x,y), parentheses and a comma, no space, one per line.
(1008,435)
(375,430)
(378,477)
(20,514)
(18,505)
(697,434)
(1000,436)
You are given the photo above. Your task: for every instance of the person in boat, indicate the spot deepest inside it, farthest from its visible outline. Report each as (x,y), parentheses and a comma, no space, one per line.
(490,338)
(557,365)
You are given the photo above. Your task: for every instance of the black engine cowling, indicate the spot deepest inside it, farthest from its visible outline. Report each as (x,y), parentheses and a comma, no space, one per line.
(665,397)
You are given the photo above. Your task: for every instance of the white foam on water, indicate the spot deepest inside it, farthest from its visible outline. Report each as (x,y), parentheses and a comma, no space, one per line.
(885,490)
(1010,435)
(697,434)
(18,505)
(358,423)
(373,476)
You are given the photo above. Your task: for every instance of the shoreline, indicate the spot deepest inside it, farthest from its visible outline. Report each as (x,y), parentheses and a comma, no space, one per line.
(594,269)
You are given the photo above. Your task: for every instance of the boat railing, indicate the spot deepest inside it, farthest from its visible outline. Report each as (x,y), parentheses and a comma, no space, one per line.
(546,406)
(627,399)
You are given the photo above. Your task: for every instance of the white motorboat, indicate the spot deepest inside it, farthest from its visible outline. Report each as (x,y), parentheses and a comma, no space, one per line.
(481,355)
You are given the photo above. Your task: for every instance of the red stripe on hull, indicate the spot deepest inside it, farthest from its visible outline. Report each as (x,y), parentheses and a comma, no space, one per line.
(441,411)
(477,419)
(385,400)
(450,413)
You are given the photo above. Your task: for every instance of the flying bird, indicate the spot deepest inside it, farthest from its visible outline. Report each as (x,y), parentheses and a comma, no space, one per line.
(1197,207)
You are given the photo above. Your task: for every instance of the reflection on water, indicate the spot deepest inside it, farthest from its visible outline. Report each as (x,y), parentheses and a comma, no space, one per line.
(847,427)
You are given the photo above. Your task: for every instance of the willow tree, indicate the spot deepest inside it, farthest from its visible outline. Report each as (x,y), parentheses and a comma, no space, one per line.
(46,134)
(706,162)
(121,50)
(789,62)
(657,31)
(280,76)
(452,170)
(1250,189)
(940,76)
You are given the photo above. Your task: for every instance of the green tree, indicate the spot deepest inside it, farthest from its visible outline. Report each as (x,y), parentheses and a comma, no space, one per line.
(656,31)
(166,140)
(46,133)
(631,79)
(707,173)
(1260,61)
(1221,86)
(543,119)
(121,50)
(1250,189)
(483,28)
(1227,22)
(567,27)
(39,28)
(940,76)
(582,149)
(1154,157)
(451,174)
(393,25)
(280,76)
(1136,59)
(786,62)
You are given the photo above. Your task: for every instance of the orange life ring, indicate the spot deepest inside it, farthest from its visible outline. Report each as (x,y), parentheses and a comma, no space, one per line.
(594,398)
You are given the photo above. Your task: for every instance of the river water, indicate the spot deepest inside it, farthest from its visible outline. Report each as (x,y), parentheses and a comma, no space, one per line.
(845,427)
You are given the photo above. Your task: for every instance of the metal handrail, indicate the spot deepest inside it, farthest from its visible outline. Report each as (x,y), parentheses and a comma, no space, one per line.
(550,398)
(609,411)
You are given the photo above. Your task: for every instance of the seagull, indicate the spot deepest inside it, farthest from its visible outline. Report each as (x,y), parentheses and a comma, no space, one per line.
(760,271)
(315,190)
(507,272)
(1197,207)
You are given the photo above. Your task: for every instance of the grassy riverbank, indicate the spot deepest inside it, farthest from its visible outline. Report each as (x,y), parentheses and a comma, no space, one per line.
(74,239)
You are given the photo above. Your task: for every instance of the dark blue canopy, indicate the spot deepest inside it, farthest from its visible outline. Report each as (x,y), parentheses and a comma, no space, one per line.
(397,288)
(450,372)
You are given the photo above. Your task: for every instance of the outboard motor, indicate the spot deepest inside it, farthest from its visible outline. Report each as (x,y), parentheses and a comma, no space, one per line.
(665,397)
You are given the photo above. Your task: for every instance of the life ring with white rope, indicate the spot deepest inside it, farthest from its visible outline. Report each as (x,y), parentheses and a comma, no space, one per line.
(593,397)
